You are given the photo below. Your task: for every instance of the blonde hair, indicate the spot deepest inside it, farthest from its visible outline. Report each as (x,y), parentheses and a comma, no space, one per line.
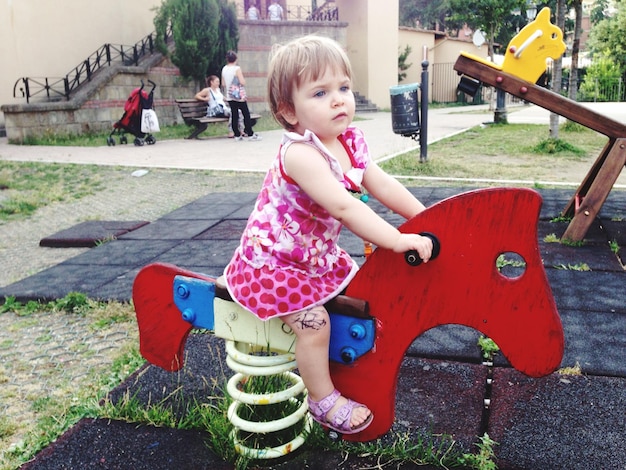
(299,61)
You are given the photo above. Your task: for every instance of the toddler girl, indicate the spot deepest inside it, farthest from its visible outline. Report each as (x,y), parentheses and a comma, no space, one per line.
(288,263)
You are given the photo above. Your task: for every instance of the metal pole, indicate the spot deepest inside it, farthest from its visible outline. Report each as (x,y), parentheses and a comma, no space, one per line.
(424,109)
(500,116)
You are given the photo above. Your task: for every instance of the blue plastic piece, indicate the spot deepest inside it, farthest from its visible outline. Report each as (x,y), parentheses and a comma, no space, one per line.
(194,298)
(350,337)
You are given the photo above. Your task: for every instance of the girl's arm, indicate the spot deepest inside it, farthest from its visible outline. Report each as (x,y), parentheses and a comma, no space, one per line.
(308,168)
(390,192)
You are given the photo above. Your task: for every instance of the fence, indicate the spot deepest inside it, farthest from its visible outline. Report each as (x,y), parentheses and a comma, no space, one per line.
(444,88)
(590,89)
(595,89)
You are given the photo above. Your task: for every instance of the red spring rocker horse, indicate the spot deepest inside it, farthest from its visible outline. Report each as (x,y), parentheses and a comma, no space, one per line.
(462,285)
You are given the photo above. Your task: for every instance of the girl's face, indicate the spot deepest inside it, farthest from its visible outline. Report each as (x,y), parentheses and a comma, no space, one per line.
(324,106)
(215,83)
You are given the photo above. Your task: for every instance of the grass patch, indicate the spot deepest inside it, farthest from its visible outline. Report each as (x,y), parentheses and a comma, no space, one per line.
(483,460)
(573,370)
(505,152)
(488,347)
(551,238)
(614,246)
(27,186)
(394,449)
(559,146)
(45,394)
(74,302)
(573,267)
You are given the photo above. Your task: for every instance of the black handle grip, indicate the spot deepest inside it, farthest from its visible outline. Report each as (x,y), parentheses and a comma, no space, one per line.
(412,257)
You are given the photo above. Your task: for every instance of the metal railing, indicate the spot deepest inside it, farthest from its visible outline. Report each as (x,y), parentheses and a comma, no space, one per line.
(62,87)
(326,12)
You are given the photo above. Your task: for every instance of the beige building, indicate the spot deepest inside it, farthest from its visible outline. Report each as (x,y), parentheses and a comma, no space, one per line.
(49,39)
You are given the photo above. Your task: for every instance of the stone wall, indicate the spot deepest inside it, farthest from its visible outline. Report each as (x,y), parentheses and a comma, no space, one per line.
(100,103)
(256,39)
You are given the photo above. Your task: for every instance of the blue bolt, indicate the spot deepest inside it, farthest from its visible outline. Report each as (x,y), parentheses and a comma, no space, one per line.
(348,355)
(357,331)
(182,291)
(189,315)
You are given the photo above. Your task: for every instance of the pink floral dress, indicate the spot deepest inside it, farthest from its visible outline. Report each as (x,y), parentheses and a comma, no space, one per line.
(288,258)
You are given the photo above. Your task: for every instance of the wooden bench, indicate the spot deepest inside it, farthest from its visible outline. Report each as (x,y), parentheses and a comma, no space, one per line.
(194,114)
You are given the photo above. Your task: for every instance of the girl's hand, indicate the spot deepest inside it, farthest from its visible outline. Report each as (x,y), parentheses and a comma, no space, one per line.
(413,241)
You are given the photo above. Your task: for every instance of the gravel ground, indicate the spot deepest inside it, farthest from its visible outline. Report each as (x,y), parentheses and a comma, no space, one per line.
(124,198)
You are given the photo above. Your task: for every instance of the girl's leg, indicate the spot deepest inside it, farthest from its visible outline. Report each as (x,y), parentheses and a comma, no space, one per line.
(312,330)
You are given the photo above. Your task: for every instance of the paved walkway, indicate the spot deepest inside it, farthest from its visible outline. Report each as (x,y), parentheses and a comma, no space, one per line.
(222,153)
(226,154)
(559,421)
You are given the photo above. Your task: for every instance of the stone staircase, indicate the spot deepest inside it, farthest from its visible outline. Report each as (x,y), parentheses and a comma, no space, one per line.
(363,105)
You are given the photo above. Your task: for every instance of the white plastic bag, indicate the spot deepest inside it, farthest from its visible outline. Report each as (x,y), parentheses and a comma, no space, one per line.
(149,121)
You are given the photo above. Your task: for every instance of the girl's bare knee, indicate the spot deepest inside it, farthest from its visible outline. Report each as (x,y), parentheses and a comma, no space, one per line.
(310,322)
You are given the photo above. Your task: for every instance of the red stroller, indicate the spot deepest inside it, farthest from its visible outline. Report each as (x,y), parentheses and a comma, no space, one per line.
(131,119)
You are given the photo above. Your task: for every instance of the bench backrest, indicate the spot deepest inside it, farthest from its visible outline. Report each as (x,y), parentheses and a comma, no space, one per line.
(191,108)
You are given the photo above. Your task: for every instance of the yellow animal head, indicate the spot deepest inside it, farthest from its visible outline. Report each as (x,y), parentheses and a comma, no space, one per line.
(527,52)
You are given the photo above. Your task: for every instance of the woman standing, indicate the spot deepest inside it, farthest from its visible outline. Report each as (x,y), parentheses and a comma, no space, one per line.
(230,73)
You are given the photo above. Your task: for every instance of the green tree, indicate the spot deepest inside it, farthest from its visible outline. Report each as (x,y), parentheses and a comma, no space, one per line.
(598,11)
(402,65)
(227,39)
(486,15)
(430,14)
(203,30)
(609,37)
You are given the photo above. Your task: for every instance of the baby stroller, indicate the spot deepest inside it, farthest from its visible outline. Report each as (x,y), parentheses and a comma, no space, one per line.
(131,119)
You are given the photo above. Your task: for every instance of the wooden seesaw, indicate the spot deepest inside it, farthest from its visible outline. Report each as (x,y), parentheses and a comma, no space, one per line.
(391,302)
(524,62)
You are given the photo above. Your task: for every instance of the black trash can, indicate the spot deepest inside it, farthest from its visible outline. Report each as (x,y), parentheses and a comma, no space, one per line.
(405,119)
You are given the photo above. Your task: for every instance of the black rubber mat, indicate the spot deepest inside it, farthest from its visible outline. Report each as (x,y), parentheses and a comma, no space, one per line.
(91,233)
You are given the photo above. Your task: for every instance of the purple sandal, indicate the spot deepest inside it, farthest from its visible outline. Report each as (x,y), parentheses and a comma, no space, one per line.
(340,421)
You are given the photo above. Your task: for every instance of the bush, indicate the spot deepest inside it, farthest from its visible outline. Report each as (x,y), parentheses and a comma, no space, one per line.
(203,30)
(603,81)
